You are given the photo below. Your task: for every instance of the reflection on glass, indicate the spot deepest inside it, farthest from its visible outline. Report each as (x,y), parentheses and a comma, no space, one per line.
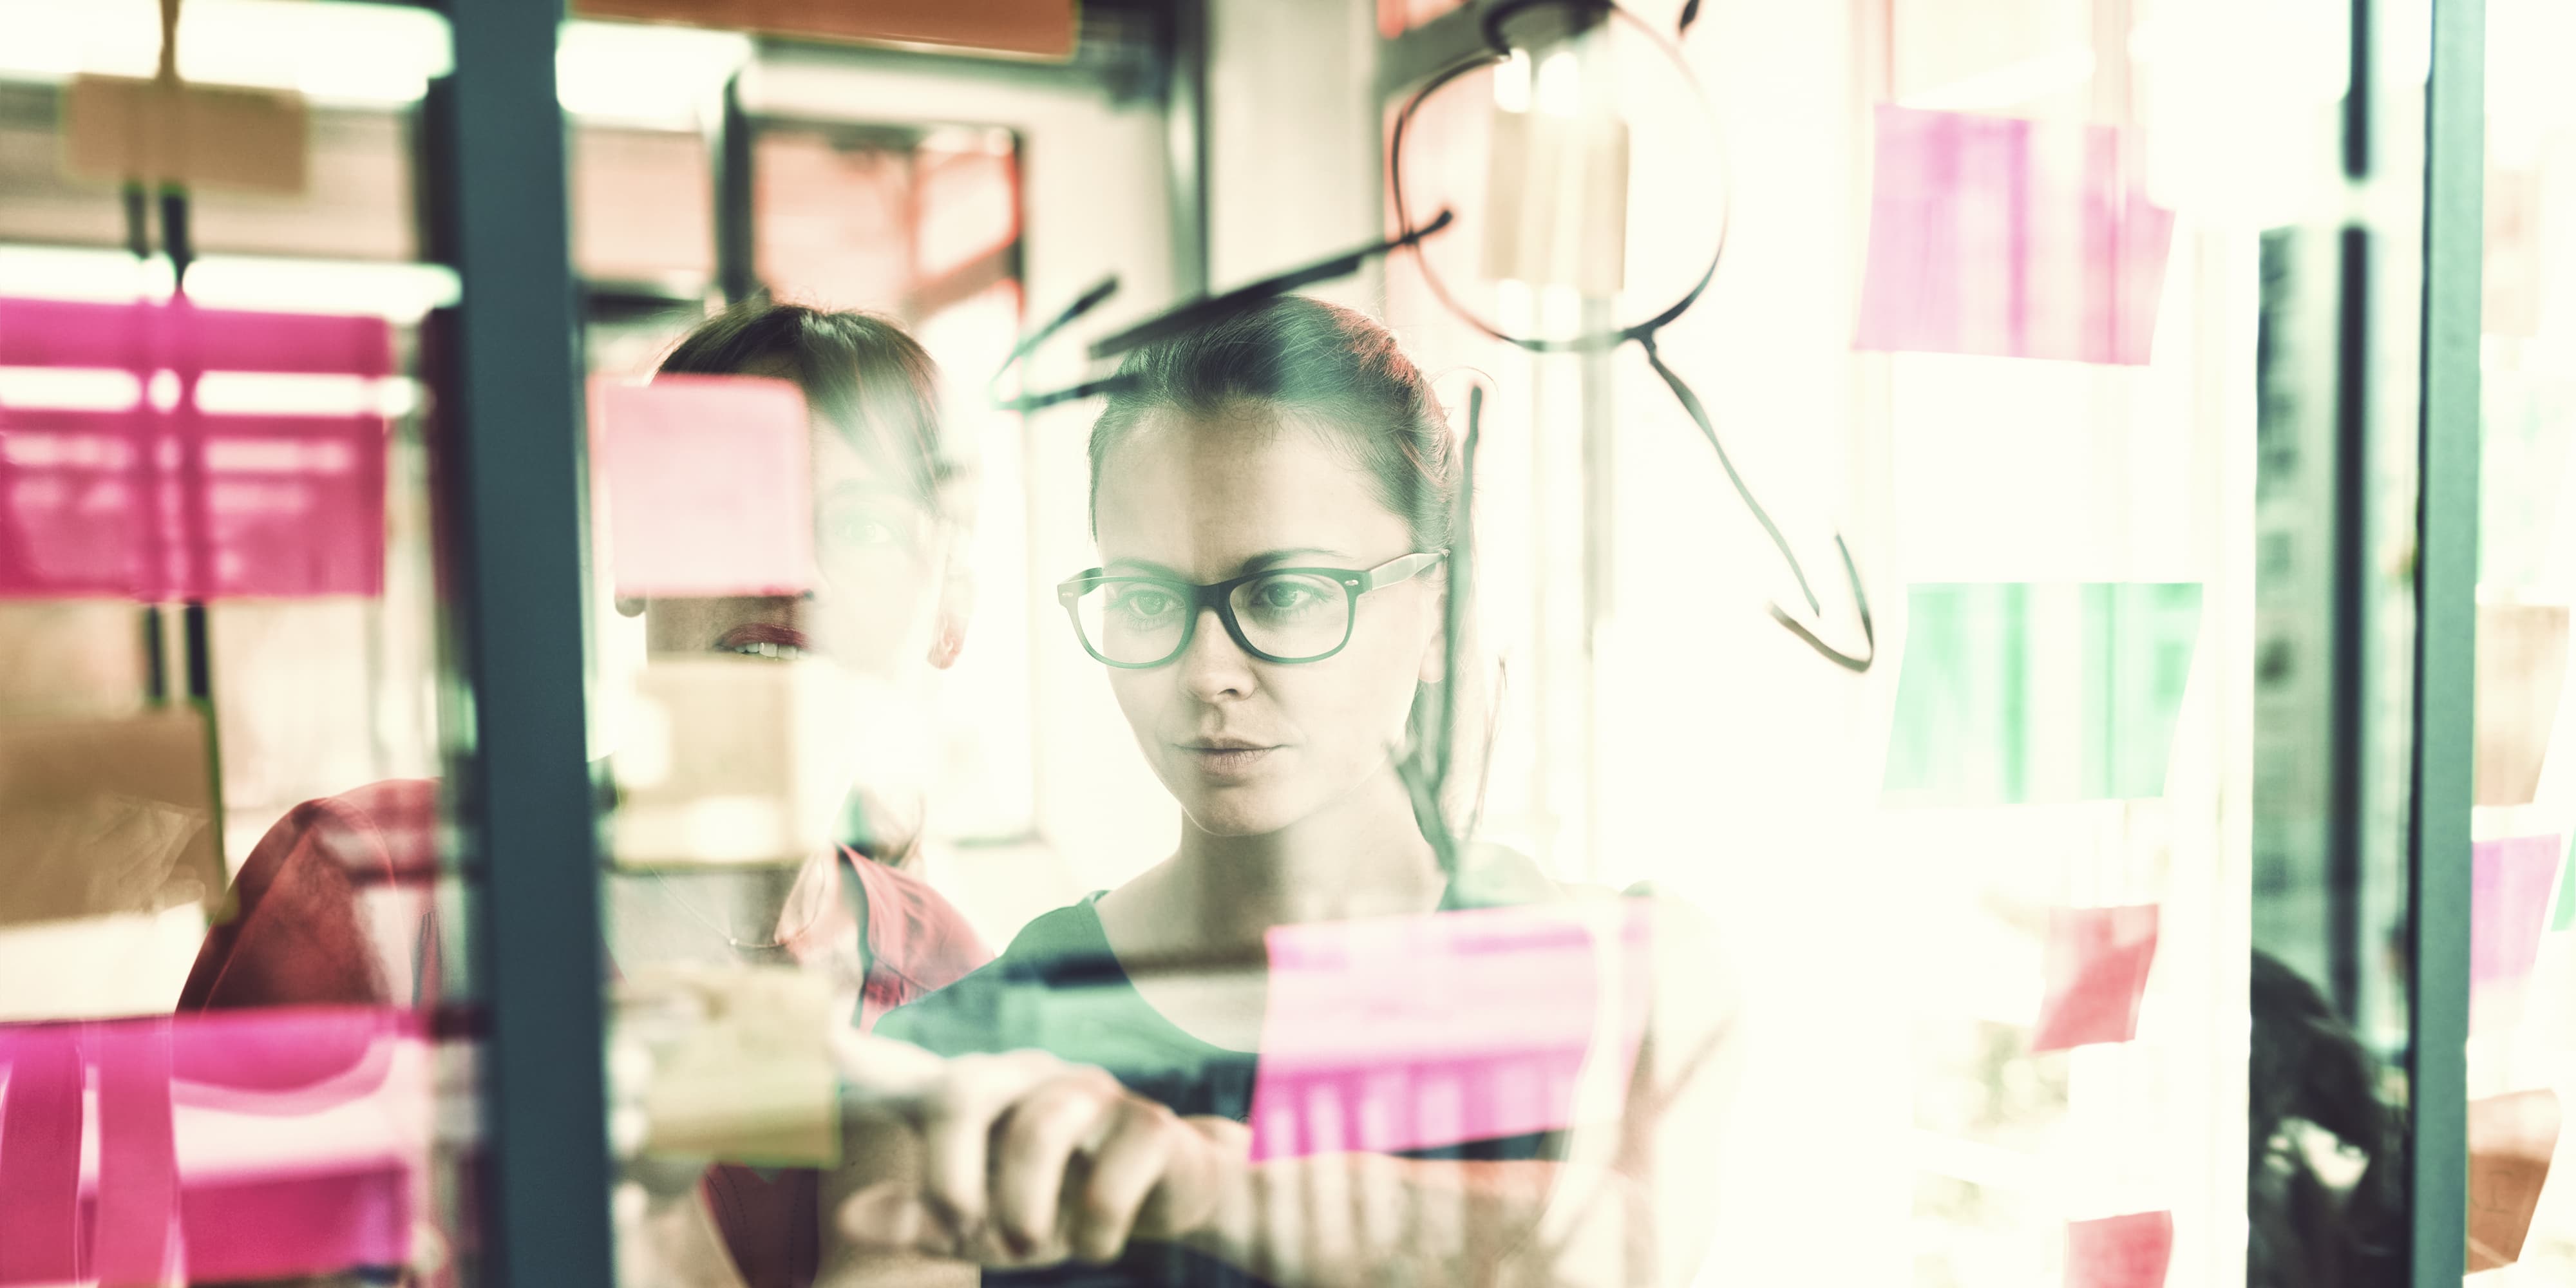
(2521,952)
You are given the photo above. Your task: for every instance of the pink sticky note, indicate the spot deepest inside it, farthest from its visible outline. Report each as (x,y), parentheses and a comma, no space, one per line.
(1422,1032)
(706,485)
(186,506)
(177,335)
(2129,1251)
(2097,963)
(138,1183)
(293,506)
(272,1143)
(2011,238)
(40,1156)
(73,514)
(2509,887)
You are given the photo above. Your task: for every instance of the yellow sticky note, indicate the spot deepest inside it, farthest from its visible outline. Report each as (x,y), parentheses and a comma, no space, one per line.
(751,1080)
(115,130)
(108,815)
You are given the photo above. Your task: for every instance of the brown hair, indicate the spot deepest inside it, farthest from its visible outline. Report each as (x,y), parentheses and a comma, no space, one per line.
(1303,355)
(860,372)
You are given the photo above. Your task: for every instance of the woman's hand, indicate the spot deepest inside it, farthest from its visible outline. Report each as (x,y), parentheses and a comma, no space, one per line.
(1023,1159)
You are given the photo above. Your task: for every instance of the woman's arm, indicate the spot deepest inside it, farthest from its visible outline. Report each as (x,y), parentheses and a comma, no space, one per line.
(1633,1202)
(1023,1160)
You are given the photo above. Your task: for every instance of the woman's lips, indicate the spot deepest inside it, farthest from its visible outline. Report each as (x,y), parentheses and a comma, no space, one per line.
(1227,761)
(763,639)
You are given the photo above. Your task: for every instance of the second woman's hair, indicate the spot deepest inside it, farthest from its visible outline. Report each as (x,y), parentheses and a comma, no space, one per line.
(860,373)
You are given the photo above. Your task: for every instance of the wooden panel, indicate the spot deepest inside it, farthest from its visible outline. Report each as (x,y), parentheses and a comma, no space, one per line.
(1037,28)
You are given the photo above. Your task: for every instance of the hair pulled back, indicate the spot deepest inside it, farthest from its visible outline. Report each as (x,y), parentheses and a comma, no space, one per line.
(1323,363)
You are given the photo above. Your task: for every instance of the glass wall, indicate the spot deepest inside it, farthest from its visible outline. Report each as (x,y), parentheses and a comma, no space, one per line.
(232,1046)
(1734,644)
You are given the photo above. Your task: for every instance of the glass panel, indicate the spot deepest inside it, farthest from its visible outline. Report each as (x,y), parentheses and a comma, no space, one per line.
(1926,839)
(224,899)
(2522,954)
(811,595)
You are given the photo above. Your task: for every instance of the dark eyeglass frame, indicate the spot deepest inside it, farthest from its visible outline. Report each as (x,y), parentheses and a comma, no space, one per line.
(1219,595)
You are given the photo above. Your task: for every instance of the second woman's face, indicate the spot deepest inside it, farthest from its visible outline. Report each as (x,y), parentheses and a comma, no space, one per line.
(1249,746)
(875,549)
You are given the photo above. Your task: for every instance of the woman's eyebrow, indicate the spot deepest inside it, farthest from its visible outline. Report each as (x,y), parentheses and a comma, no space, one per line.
(869,490)
(1266,559)
(1274,558)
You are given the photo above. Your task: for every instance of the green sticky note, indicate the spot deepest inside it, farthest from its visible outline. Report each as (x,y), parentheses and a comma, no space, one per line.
(2021,693)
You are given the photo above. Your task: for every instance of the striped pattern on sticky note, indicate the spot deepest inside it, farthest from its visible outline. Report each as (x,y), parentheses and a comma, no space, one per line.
(2012,238)
(2019,693)
(1408,1033)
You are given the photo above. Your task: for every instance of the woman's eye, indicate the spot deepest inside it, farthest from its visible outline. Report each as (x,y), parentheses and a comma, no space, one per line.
(1283,596)
(864,529)
(866,532)
(1145,605)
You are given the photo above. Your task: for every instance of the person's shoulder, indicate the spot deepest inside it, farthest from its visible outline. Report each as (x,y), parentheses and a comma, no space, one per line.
(995,1006)
(293,931)
(911,929)
(1497,876)
(385,829)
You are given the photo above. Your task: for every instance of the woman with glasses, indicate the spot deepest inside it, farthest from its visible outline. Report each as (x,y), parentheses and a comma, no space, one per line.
(1273,498)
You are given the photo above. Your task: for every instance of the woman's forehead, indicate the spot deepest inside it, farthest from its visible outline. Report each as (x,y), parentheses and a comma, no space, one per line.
(1190,492)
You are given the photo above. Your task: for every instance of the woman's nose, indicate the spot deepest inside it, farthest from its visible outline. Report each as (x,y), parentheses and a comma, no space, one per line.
(1213,666)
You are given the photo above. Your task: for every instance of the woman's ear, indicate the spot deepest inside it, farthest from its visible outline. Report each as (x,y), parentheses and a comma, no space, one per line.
(1435,651)
(956,608)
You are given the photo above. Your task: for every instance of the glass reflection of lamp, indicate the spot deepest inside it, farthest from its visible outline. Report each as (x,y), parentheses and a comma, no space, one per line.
(1514,31)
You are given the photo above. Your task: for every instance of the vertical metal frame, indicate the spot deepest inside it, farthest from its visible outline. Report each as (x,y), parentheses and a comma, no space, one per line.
(2446,570)
(509,366)
(730,150)
(1185,117)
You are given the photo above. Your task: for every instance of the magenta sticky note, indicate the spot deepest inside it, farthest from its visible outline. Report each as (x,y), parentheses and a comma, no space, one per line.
(1424,1032)
(178,505)
(2097,961)
(74,518)
(2510,882)
(291,506)
(135,1237)
(40,1158)
(230,1145)
(176,335)
(2011,238)
(707,485)
(2130,1251)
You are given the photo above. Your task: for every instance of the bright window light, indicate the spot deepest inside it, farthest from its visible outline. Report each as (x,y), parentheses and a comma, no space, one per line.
(643,74)
(2012,84)
(277,394)
(68,389)
(396,290)
(1512,82)
(333,53)
(1560,84)
(67,273)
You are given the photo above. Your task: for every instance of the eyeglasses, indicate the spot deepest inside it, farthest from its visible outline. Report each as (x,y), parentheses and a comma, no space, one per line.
(1277,615)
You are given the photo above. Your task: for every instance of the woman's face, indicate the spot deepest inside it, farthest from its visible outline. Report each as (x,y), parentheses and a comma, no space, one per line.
(1248,746)
(877,549)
